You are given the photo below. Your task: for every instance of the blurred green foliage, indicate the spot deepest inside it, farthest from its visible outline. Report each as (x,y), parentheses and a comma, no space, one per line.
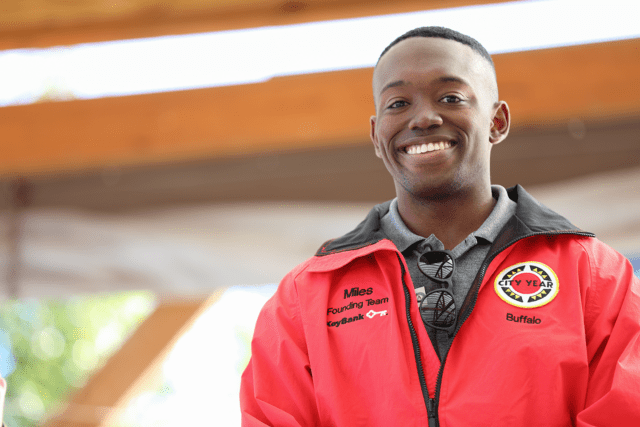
(243,338)
(49,348)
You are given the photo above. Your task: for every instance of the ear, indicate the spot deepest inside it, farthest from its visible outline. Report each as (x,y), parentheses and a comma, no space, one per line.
(374,136)
(500,123)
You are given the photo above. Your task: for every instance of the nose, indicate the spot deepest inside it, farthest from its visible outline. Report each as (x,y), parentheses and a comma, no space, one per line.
(425,117)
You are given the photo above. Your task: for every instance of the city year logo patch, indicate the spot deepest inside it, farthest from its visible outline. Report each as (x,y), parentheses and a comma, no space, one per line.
(527,285)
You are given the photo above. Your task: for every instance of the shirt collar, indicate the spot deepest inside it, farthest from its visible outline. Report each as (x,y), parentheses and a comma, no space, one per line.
(502,211)
(394,227)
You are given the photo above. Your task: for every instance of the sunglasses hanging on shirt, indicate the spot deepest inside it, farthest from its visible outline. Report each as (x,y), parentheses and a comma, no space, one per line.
(438,308)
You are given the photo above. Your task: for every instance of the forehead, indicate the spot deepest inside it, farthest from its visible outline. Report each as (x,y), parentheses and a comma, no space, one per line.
(418,59)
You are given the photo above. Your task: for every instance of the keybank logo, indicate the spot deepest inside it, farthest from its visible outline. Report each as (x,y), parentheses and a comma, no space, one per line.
(357,292)
(345,320)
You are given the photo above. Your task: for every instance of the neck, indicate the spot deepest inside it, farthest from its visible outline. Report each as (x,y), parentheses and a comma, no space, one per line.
(450,218)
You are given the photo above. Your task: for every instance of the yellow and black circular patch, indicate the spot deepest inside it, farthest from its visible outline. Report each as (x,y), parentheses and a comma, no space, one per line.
(527,285)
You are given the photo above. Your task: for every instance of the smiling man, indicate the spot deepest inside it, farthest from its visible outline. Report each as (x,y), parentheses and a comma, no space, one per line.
(458,303)
(437,117)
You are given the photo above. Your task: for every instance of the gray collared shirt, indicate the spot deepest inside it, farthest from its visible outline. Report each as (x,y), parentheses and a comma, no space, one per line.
(468,254)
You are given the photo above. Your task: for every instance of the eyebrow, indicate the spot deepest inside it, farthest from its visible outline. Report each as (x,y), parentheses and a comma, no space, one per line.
(443,79)
(451,79)
(394,84)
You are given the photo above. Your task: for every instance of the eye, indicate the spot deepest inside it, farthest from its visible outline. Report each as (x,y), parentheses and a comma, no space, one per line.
(398,104)
(451,99)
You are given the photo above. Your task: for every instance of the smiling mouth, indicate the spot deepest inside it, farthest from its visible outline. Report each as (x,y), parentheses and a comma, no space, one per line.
(427,147)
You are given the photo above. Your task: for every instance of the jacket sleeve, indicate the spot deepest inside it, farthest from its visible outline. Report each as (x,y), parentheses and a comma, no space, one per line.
(277,386)
(612,327)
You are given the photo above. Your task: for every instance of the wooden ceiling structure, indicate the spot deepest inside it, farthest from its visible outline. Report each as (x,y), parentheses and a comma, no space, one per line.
(44,23)
(545,88)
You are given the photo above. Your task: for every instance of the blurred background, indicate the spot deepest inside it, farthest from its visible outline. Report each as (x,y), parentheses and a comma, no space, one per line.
(164,164)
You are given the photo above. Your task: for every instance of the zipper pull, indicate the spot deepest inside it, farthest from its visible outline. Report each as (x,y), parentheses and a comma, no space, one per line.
(431,412)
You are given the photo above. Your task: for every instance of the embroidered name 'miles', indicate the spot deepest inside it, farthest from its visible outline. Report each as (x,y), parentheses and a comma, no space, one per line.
(527,285)
(357,292)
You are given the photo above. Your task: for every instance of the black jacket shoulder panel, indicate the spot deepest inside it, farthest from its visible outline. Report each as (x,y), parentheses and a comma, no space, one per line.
(537,217)
(366,233)
(531,217)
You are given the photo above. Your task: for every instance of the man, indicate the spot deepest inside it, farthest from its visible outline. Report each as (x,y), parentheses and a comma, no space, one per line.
(458,303)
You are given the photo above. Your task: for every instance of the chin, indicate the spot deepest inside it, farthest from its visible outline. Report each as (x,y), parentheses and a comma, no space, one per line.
(434,191)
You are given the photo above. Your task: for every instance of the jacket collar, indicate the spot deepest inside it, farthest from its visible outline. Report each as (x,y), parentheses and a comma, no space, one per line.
(531,218)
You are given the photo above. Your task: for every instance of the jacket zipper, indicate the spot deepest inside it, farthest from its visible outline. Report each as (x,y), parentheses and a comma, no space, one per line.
(483,270)
(429,403)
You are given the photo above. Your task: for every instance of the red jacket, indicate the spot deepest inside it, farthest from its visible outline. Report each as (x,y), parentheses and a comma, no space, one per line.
(342,343)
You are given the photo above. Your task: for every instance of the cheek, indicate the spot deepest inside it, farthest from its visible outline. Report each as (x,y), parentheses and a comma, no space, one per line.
(477,128)
(384,133)
(390,124)
(469,122)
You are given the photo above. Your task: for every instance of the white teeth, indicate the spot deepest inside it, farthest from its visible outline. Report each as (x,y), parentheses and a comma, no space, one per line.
(423,148)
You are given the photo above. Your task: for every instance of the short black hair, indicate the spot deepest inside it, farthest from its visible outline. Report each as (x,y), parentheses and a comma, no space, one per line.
(443,33)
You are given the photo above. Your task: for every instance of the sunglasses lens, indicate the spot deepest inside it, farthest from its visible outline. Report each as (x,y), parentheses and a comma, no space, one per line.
(438,309)
(437,265)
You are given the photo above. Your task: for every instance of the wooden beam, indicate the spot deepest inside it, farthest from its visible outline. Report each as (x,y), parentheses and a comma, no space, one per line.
(54,23)
(543,87)
(589,82)
(130,366)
